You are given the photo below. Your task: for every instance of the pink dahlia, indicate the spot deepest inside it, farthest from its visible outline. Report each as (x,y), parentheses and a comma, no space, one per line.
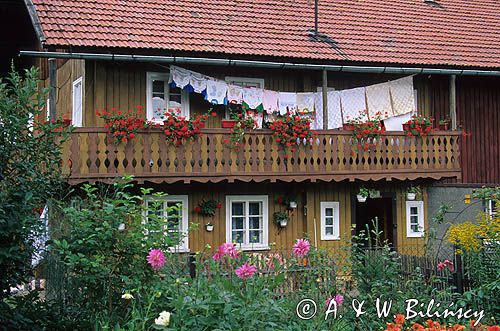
(339,298)
(156,259)
(301,248)
(228,249)
(245,271)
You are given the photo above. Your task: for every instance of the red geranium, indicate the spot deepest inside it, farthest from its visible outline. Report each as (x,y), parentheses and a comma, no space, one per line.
(123,126)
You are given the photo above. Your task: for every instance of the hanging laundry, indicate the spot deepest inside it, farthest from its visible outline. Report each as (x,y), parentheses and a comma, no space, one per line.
(318,115)
(353,104)
(159,108)
(258,117)
(179,76)
(234,94)
(395,123)
(252,97)
(334,113)
(270,101)
(402,97)
(305,102)
(378,101)
(216,92)
(287,102)
(198,82)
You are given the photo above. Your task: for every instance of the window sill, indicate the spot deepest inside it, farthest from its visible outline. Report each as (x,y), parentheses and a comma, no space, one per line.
(415,235)
(179,250)
(330,239)
(254,248)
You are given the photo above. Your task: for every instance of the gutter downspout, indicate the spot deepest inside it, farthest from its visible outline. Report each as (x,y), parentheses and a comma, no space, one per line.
(262,64)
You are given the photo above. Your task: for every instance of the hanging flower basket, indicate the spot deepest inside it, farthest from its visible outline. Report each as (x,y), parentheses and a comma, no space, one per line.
(209,227)
(280,218)
(411,196)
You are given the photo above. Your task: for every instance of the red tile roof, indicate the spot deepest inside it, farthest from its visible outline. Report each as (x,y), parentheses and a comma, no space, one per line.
(455,32)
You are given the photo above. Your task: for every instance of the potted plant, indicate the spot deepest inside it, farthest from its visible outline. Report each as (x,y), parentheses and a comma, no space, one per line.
(368,131)
(178,128)
(412,192)
(363,194)
(209,227)
(280,218)
(293,203)
(418,126)
(444,125)
(207,207)
(289,129)
(242,121)
(123,126)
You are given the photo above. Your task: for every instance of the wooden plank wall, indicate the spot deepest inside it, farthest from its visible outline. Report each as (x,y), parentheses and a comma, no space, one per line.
(300,225)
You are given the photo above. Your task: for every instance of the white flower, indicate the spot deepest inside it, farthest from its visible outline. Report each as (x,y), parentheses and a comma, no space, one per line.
(127,296)
(121,227)
(163,319)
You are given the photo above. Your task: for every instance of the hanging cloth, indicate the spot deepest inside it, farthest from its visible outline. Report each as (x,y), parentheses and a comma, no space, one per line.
(318,116)
(198,82)
(402,97)
(270,101)
(378,100)
(334,113)
(353,104)
(305,102)
(287,102)
(234,94)
(252,97)
(258,117)
(216,92)
(179,76)
(395,123)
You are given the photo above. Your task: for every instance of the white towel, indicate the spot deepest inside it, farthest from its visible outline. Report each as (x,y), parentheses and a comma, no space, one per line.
(270,101)
(305,102)
(353,104)
(334,113)
(216,91)
(159,108)
(252,96)
(179,76)
(318,106)
(287,102)
(234,94)
(403,100)
(395,123)
(198,82)
(378,100)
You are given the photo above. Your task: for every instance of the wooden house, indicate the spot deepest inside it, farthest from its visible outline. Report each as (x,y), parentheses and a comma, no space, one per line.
(117,54)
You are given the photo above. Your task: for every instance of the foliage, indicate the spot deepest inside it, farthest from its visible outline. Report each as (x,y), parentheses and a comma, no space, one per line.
(419,126)
(208,207)
(470,236)
(30,173)
(278,216)
(244,122)
(366,131)
(290,130)
(401,324)
(364,192)
(103,241)
(123,125)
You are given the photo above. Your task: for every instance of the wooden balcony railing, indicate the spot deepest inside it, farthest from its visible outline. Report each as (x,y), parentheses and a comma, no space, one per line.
(91,156)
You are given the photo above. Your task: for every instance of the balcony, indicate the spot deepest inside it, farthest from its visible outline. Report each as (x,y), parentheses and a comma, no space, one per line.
(89,157)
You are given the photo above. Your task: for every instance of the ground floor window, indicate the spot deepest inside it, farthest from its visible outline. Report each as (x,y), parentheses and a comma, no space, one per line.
(247,221)
(174,210)
(414,219)
(491,207)
(330,220)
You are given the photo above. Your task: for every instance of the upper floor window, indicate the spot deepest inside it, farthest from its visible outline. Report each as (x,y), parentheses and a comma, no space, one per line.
(245,81)
(77,110)
(414,219)
(330,229)
(161,97)
(173,209)
(247,221)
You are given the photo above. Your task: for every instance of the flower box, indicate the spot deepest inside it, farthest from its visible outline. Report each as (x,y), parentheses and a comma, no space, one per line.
(406,127)
(444,126)
(348,127)
(228,124)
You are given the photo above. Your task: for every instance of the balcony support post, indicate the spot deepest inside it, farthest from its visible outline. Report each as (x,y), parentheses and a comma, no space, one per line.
(324,91)
(52,88)
(453,102)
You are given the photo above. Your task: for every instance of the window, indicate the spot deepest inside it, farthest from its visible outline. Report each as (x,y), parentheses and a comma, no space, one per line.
(176,218)
(77,113)
(330,220)
(247,221)
(245,81)
(161,97)
(491,207)
(414,219)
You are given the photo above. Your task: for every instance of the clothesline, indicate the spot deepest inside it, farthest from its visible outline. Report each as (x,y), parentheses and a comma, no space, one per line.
(393,100)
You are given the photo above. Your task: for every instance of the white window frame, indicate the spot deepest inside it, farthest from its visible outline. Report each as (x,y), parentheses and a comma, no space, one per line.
(265,220)
(47,112)
(335,205)
(420,209)
(77,116)
(183,246)
(490,210)
(243,81)
(150,76)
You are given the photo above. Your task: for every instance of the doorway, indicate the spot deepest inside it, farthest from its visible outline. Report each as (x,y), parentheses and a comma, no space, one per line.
(377,214)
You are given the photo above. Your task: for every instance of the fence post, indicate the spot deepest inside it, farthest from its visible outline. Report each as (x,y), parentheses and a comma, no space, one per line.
(192,265)
(459,279)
